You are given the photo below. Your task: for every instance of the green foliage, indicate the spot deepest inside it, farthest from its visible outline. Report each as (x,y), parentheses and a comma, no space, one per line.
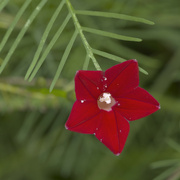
(47,42)
(79,30)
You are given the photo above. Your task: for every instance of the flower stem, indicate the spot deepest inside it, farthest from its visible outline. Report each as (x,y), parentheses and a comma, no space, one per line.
(80,31)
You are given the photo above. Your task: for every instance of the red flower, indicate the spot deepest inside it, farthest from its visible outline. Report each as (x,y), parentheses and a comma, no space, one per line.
(107,101)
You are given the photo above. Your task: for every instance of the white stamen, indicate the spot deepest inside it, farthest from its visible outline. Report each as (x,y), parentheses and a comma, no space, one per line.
(106,98)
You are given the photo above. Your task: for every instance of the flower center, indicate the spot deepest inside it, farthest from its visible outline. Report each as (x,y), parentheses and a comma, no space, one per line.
(106,101)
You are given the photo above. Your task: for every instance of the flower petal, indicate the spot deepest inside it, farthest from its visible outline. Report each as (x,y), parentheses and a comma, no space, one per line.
(112,131)
(83,117)
(137,104)
(122,78)
(88,84)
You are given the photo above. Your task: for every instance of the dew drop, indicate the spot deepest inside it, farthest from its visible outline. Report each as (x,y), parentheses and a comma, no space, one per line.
(97,87)
(117,154)
(118,104)
(82,101)
(120,131)
(96,129)
(100,140)
(105,87)
(105,78)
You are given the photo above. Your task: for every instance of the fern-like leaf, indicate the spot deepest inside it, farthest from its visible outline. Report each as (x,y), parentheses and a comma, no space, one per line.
(63,60)
(115,58)
(21,34)
(44,38)
(16,19)
(3,4)
(79,30)
(110,35)
(50,45)
(114,15)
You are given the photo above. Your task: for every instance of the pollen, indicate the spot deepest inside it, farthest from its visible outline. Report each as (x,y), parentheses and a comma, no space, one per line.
(106,98)
(106,101)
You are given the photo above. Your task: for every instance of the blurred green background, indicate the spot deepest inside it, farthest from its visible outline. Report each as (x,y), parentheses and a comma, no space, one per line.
(34,145)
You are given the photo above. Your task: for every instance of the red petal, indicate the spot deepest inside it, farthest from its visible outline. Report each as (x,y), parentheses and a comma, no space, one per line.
(88,84)
(83,117)
(112,131)
(122,78)
(137,104)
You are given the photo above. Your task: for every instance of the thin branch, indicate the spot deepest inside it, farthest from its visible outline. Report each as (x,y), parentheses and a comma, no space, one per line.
(84,40)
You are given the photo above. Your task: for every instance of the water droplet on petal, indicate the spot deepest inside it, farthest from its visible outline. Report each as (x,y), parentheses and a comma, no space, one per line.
(97,87)
(105,78)
(82,101)
(118,154)
(94,133)
(120,131)
(118,104)
(96,129)
(100,140)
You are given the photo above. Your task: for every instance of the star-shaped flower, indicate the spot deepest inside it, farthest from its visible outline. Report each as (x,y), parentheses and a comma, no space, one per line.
(107,101)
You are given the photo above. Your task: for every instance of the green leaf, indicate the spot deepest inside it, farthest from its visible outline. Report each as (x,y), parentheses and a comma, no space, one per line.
(165,163)
(166,173)
(49,47)
(44,38)
(16,19)
(21,34)
(110,35)
(114,15)
(115,58)
(173,144)
(3,4)
(86,63)
(63,60)
(108,55)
